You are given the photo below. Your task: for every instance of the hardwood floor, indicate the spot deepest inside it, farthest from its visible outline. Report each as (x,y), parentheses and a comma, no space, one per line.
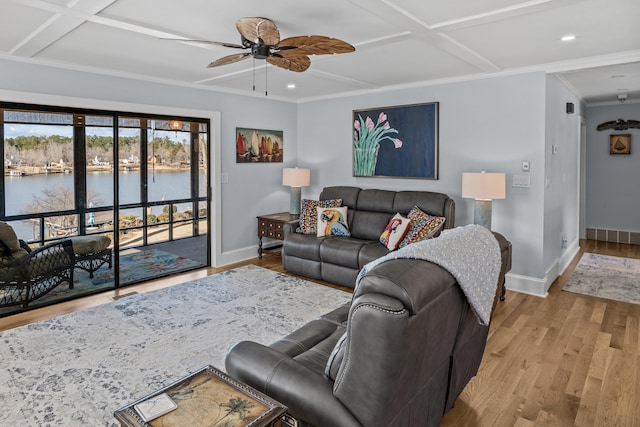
(563,360)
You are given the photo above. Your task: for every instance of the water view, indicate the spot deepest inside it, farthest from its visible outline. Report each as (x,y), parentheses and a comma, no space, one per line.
(21,191)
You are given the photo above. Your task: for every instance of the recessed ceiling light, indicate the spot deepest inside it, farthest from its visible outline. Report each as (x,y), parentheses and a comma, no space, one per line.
(291,86)
(568,38)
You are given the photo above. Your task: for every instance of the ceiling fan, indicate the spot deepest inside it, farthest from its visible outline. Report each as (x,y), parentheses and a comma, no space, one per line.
(262,37)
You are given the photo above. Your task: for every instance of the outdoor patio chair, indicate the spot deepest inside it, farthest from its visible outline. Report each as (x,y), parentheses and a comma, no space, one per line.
(25,274)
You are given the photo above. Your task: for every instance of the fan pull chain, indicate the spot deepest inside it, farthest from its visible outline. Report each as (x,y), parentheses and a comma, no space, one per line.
(265,79)
(254,74)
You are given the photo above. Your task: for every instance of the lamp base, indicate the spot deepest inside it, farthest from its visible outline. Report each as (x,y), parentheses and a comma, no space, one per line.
(294,202)
(482,213)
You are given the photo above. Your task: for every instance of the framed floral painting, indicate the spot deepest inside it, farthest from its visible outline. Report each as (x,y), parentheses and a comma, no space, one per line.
(396,142)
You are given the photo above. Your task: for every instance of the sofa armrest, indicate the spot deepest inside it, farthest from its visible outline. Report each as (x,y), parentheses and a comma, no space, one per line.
(289,227)
(307,394)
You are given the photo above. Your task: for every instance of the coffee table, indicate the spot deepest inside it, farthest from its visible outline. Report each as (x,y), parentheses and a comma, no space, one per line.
(209,397)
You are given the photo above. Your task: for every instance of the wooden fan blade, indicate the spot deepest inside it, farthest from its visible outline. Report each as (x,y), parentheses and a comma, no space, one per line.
(313,45)
(253,29)
(297,63)
(233,45)
(229,59)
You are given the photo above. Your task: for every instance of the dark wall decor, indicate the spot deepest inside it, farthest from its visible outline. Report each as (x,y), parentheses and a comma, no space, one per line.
(396,142)
(259,146)
(620,144)
(619,125)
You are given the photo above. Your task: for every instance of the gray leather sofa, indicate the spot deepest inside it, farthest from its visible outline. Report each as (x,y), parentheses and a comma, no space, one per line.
(412,344)
(338,259)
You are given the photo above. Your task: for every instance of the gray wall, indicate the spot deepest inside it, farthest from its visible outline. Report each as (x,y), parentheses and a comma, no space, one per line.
(562,186)
(492,124)
(252,189)
(612,182)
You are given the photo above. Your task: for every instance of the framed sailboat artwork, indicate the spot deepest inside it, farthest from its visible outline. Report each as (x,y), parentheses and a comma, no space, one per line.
(259,145)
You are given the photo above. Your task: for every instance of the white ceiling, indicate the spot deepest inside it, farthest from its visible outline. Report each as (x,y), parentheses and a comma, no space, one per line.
(399,43)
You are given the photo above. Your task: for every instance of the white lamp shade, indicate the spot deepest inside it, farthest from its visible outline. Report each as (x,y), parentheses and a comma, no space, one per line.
(484,186)
(296,177)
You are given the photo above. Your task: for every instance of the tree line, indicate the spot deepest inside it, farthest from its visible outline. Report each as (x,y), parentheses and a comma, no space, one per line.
(41,150)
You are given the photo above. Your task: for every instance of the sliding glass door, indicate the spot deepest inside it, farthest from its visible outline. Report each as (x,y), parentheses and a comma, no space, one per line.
(138,179)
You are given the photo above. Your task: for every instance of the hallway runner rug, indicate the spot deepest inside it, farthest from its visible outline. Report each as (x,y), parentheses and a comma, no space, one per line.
(608,277)
(77,369)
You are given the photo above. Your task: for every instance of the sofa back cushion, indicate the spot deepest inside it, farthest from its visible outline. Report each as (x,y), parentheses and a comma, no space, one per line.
(435,204)
(370,210)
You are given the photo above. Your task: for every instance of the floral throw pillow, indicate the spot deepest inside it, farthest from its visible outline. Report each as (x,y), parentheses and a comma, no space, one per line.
(395,231)
(309,213)
(333,222)
(423,226)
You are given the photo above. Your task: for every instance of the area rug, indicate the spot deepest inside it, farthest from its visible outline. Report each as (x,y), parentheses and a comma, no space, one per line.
(135,266)
(77,369)
(607,277)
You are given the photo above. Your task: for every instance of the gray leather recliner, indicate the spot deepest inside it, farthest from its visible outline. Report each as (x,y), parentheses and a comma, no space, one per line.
(412,343)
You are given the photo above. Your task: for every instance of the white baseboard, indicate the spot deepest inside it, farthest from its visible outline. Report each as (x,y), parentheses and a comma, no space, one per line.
(540,287)
(526,285)
(238,255)
(243,254)
(569,255)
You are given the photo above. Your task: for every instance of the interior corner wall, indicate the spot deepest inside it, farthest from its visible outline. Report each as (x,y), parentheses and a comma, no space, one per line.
(492,124)
(253,189)
(612,191)
(562,178)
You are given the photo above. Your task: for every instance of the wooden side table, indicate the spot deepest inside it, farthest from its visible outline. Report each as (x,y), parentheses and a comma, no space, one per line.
(272,226)
(206,397)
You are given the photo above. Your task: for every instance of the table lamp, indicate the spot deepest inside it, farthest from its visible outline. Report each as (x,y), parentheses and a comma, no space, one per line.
(296,178)
(483,187)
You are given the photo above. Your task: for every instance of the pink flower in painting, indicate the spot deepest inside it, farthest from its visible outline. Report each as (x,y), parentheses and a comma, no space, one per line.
(355,134)
(356,125)
(386,126)
(397,143)
(382,117)
(369,124)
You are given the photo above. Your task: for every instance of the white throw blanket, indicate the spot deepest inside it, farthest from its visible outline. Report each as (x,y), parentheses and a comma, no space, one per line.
(470,253)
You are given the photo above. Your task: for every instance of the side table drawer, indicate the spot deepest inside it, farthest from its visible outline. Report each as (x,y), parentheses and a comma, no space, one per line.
(272,226)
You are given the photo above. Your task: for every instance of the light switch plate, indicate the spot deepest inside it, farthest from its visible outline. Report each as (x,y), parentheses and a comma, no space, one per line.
(522,181)
(526,166)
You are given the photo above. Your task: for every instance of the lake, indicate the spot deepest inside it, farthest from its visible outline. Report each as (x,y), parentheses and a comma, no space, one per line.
(162,185)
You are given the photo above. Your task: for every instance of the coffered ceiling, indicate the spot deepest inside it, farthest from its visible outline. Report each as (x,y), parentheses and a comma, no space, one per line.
(399,43)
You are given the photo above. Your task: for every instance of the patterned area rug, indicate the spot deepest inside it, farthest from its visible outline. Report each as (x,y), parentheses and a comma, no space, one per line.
(607,277)
(77,369)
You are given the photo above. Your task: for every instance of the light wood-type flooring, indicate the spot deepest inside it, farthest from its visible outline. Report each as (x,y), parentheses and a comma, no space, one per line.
(563,360)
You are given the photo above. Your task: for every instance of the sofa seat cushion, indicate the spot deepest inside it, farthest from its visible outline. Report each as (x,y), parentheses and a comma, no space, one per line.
(312,344)
(343,251)
(306,246)
(305,337)
(371,252)
(338,316)
(317,357)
